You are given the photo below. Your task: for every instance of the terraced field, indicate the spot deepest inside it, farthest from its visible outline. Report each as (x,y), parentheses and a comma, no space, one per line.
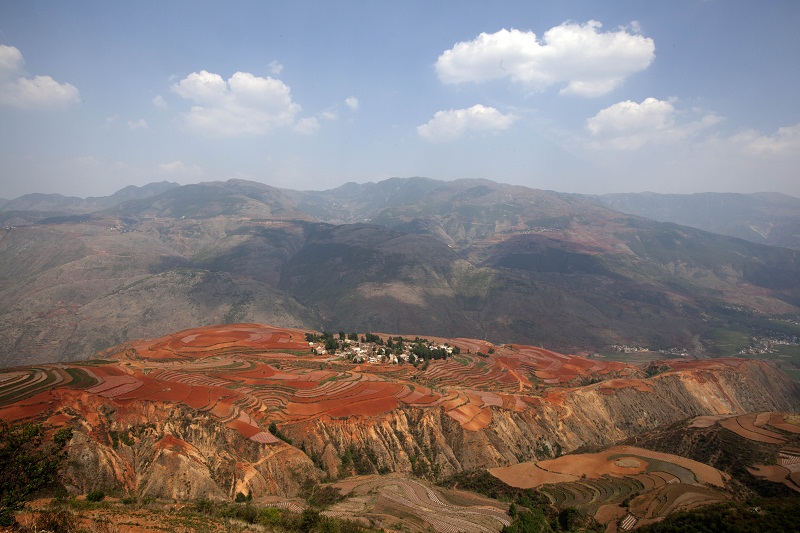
(780,429)
(251,375)
(623,485)
(400,503)
(257,380)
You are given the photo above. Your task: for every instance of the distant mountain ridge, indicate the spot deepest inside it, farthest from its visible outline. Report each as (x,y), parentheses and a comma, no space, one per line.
(37,206)
(467,258)
(764,218)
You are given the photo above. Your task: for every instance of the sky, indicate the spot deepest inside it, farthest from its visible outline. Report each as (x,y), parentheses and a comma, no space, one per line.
(573,96)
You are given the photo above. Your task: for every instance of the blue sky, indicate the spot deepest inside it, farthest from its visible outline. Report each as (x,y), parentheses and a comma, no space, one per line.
(574,96)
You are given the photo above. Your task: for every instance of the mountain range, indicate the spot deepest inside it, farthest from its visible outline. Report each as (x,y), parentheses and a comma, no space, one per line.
(464,258)
(764,218)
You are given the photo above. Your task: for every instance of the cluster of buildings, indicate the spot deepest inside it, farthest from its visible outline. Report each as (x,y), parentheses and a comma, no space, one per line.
(760,345)
(672,352)
(624,348)
(402,351)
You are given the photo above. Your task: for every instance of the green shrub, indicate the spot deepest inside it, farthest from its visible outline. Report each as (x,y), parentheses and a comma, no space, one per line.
(273,428)
(59,520)
(269,516)
(309,519)
(246,513)
(95,496)
(27,464)
(204,506)
(324,496)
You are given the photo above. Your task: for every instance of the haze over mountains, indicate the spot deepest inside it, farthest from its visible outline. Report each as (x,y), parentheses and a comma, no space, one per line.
(765,218)
(34,206)
(467,258)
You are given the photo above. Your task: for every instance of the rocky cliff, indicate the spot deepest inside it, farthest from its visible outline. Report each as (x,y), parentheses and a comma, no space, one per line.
(172,451)
(426,442)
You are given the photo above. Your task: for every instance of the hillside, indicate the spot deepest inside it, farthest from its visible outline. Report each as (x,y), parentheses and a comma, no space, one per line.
(248,408)
(764,218)
(468,258)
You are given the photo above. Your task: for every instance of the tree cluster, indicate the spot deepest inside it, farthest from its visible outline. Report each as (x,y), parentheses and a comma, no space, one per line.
(28,464)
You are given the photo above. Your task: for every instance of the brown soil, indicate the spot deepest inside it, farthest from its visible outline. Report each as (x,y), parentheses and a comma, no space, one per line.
(529,475)
(771,472)
(744,427)
(782,421)
(614,461)
(607,513)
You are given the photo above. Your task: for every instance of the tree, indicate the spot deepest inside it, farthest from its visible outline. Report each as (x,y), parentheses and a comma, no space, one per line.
(371,337)
(27,464)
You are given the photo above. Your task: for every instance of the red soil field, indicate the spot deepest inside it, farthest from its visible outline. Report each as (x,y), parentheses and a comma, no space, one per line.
(249,375)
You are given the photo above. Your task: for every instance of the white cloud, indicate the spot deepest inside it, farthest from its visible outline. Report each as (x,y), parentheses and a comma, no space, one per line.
(307,125)
(785,141)
(454,123)
(244,104)
(159,102)
(628,125)
(179,169)
(140,124)
(201,87)
(10,61)
(275,67)
(351,102)
(38,92)
(589,62)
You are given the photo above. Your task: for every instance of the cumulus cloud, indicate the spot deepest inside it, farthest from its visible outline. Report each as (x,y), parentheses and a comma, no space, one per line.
(351,102)
(785,141)
(307,125)
(159,102)
(454,123)
(275,67)
(244,104)
(11,61)
(581,58)
(179,169)
(37,92)
(629,125)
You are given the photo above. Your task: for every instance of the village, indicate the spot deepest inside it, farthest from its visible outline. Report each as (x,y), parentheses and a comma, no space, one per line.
(670,352)
(371,348)
(767,345)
